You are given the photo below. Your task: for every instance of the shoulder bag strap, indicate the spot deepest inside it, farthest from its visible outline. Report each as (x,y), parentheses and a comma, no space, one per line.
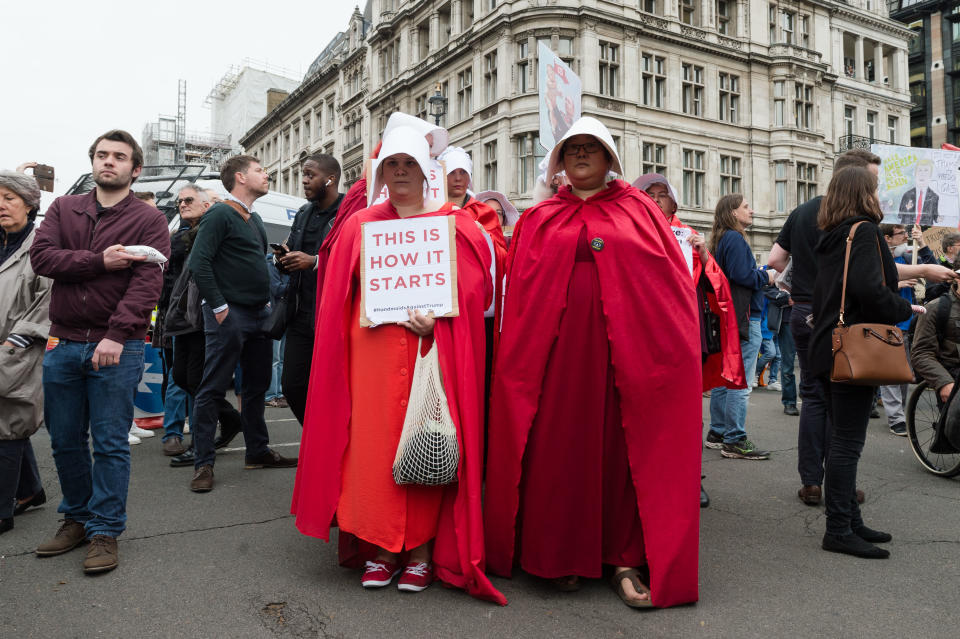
(253,222)
(846,267)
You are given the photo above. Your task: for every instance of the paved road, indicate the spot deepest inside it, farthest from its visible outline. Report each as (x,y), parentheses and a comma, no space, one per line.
(231,564)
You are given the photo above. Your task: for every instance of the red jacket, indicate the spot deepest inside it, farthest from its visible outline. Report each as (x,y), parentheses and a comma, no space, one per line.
(88,302)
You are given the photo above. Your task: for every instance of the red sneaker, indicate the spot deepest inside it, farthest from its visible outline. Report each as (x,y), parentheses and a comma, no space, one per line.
(416,577)
(379,574)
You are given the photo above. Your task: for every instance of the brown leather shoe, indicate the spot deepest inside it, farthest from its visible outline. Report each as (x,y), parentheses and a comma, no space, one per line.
(810,495)
(860,496)
(173,447)
(69,536)
(202,481)
(102,556)
(270,459)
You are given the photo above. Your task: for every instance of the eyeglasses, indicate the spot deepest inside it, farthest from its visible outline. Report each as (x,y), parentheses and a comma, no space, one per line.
(187,200)
(574,149)
(896,233)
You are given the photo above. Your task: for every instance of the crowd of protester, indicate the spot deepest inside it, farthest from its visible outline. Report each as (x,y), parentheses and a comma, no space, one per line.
(564,410)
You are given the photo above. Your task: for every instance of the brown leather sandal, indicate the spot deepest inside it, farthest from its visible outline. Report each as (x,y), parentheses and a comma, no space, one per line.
(570,583)
(616,581)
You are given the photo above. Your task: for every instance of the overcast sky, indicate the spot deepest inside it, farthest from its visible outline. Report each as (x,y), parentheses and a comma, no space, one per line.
(72,70)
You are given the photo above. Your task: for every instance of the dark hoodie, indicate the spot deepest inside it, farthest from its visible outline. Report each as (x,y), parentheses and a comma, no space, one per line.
(868,299)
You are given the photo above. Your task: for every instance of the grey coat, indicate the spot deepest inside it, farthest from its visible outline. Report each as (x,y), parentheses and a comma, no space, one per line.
(24,304)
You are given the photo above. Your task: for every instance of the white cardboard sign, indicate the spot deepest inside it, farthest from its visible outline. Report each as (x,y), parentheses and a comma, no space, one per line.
(408,264)
(683,237)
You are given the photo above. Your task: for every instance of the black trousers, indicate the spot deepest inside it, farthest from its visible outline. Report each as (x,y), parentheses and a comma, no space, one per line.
(297,357)
(813,438)
(849,408)
(19,477)
(188,359)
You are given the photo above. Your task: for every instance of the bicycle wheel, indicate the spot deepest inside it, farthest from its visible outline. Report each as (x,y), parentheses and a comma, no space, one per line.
(922,415)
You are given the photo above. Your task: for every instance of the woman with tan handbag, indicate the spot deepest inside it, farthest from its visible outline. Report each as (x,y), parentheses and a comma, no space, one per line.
(855,293)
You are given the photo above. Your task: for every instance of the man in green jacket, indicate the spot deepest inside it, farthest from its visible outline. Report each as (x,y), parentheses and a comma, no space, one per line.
(230,272)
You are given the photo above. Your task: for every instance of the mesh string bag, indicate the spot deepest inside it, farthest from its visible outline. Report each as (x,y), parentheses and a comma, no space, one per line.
(428,453)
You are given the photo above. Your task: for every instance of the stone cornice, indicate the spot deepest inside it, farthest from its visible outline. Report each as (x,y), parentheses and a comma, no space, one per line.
(873,21)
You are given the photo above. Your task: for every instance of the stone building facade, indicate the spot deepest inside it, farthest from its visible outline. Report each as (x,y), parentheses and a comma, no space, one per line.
(745,96)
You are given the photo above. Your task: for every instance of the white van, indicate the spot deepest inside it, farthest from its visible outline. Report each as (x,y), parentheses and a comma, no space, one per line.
(276,209)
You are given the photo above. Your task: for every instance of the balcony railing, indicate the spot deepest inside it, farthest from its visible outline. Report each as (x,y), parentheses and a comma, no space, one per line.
(847,142)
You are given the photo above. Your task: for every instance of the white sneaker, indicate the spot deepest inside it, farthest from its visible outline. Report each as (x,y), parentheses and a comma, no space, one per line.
(142,433)
(132,439)
(774,386)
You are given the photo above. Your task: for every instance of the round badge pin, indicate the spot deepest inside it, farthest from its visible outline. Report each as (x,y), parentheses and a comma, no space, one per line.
(596,244)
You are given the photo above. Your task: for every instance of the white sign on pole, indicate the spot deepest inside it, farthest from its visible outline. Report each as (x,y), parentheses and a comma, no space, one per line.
(408,264)
(436,183)
(560,91)
(683,236)
(918,186)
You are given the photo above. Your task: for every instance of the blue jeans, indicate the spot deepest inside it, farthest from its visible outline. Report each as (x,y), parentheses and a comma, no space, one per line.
(81,404)
(728,408)
(788,355)
(238,340)
(275,391)
(769,354)
(176,406)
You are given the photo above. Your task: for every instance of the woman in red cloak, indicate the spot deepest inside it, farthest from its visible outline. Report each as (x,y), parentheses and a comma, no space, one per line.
(725,366)
(358,397)
(594,455)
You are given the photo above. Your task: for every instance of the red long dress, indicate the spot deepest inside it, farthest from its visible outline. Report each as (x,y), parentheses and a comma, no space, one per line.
(576,452)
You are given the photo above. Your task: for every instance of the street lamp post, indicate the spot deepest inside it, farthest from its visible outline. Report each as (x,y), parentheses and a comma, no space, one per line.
(438,105)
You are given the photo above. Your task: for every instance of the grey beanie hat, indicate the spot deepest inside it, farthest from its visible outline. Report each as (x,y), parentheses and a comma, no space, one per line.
(24,186)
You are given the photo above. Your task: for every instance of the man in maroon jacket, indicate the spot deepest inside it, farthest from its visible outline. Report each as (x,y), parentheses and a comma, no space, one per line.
(100,309)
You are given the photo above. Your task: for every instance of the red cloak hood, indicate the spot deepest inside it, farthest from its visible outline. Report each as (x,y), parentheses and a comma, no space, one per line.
(652,325)
(458,553)
(726,367)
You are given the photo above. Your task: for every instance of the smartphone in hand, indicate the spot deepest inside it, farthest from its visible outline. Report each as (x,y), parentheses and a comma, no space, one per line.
(280,248)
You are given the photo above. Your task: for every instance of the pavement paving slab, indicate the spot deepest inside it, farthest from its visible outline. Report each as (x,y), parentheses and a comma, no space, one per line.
(231,563)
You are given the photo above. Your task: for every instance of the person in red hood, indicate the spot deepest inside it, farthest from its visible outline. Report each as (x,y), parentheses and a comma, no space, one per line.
(594,455)
(357,402)
(719,340)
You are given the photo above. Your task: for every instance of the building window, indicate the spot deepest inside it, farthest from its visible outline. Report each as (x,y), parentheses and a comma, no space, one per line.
(692,90)
(803,106)
(892,129)
(778,102)
(915,43)
(729,97)
(805,31)
(330,114)
(491,4)
(523,67)
(490,165)
(918,91)
(390,61)
(688,11)
(787,26)
(872,125)
(780,180)
(693,176)
(806,182)
(729,174)
(772,18)
(421,109)
(725,21)
(529,155)
(465,93)
(650,6)
(490,77)
(653,81)
(849,116)
(654,158)
(609,68)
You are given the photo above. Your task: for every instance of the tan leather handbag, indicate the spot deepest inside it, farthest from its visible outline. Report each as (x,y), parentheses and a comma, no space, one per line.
(867,354)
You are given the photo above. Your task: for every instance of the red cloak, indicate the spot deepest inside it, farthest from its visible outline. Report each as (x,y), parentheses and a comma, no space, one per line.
(726,367)
(652,327)
(458,553)
(490,222)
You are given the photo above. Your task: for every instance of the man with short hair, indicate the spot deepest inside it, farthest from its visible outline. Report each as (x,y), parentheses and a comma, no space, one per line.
(100,310)
(228,267)
(321,181)
(920,204)
(798,238)
(192,203)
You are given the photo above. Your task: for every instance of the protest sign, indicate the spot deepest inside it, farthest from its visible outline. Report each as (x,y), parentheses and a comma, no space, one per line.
(683,235)
(560,91)
(436,188)
(934,235)
(918,186)
(408,264)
